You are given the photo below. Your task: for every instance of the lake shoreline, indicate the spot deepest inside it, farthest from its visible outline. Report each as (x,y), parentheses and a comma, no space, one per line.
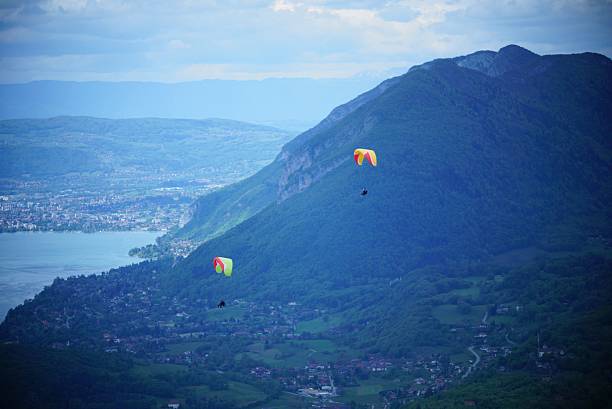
(30,260)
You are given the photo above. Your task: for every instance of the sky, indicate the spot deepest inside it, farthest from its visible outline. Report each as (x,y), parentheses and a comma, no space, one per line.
(185,40)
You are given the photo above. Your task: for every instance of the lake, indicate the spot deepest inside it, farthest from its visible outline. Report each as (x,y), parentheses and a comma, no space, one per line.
(29,261)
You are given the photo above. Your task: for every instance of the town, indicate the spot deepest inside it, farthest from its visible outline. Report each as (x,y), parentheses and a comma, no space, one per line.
(128,200)
(288,344)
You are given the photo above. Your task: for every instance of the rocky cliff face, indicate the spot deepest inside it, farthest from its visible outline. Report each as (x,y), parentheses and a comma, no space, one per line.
(299,172)
(305,159)
(309,163)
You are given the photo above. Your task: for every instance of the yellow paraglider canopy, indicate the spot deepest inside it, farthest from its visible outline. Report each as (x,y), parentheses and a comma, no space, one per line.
(368,154)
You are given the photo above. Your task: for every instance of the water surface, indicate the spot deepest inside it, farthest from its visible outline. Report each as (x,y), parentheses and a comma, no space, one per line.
(29,261)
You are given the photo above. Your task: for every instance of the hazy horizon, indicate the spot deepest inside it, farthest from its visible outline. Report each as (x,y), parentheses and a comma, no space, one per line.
(115,40)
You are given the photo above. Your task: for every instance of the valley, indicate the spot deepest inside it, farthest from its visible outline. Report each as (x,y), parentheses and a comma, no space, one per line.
(289,354)
(476,271)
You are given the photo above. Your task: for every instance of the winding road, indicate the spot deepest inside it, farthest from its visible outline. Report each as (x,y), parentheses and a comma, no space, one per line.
(473,366)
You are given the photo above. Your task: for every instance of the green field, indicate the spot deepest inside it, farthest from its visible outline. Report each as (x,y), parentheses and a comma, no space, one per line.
(367,391)
(319,324)
(270,356)
(286,401)
(238,393)
(461,357)
(286,355)
(157,369)
(448,314)
(326,349)
(299,353)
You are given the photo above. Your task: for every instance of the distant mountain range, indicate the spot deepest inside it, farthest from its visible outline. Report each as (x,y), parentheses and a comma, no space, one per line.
(292,103)
(61,145)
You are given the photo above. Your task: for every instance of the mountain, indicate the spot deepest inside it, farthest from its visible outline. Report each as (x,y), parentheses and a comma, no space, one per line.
(481,154)
(487,163)
(473,168)
(61,145)
(221,210)
(287,103)
(485,233)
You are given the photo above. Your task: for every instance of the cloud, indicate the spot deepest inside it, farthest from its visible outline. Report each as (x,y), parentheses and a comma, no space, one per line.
(178,44)
(169,41)
(281,5)
(64,5)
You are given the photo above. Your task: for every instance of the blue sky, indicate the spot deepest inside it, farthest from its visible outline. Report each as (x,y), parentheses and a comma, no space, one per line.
(182,40)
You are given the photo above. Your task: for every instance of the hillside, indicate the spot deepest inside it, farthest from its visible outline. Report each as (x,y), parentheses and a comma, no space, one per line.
(60,145)
(555,92)
(471,166)
(483,247)
(216,213)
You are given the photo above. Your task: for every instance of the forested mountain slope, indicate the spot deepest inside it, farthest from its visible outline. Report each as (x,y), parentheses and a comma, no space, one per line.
(470,166)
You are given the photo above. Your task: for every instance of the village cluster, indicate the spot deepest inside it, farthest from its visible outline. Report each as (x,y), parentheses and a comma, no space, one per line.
(139,320)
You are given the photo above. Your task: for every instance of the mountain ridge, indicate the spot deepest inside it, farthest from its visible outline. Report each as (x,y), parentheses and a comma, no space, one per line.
(294,158)
(317,159)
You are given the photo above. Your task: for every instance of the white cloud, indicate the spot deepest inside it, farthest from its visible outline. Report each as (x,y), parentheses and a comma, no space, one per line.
(282,5)
(64,5)
(178,45)
(251,39)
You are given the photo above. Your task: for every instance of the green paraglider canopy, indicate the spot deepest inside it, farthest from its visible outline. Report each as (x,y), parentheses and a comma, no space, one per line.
(223,265)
